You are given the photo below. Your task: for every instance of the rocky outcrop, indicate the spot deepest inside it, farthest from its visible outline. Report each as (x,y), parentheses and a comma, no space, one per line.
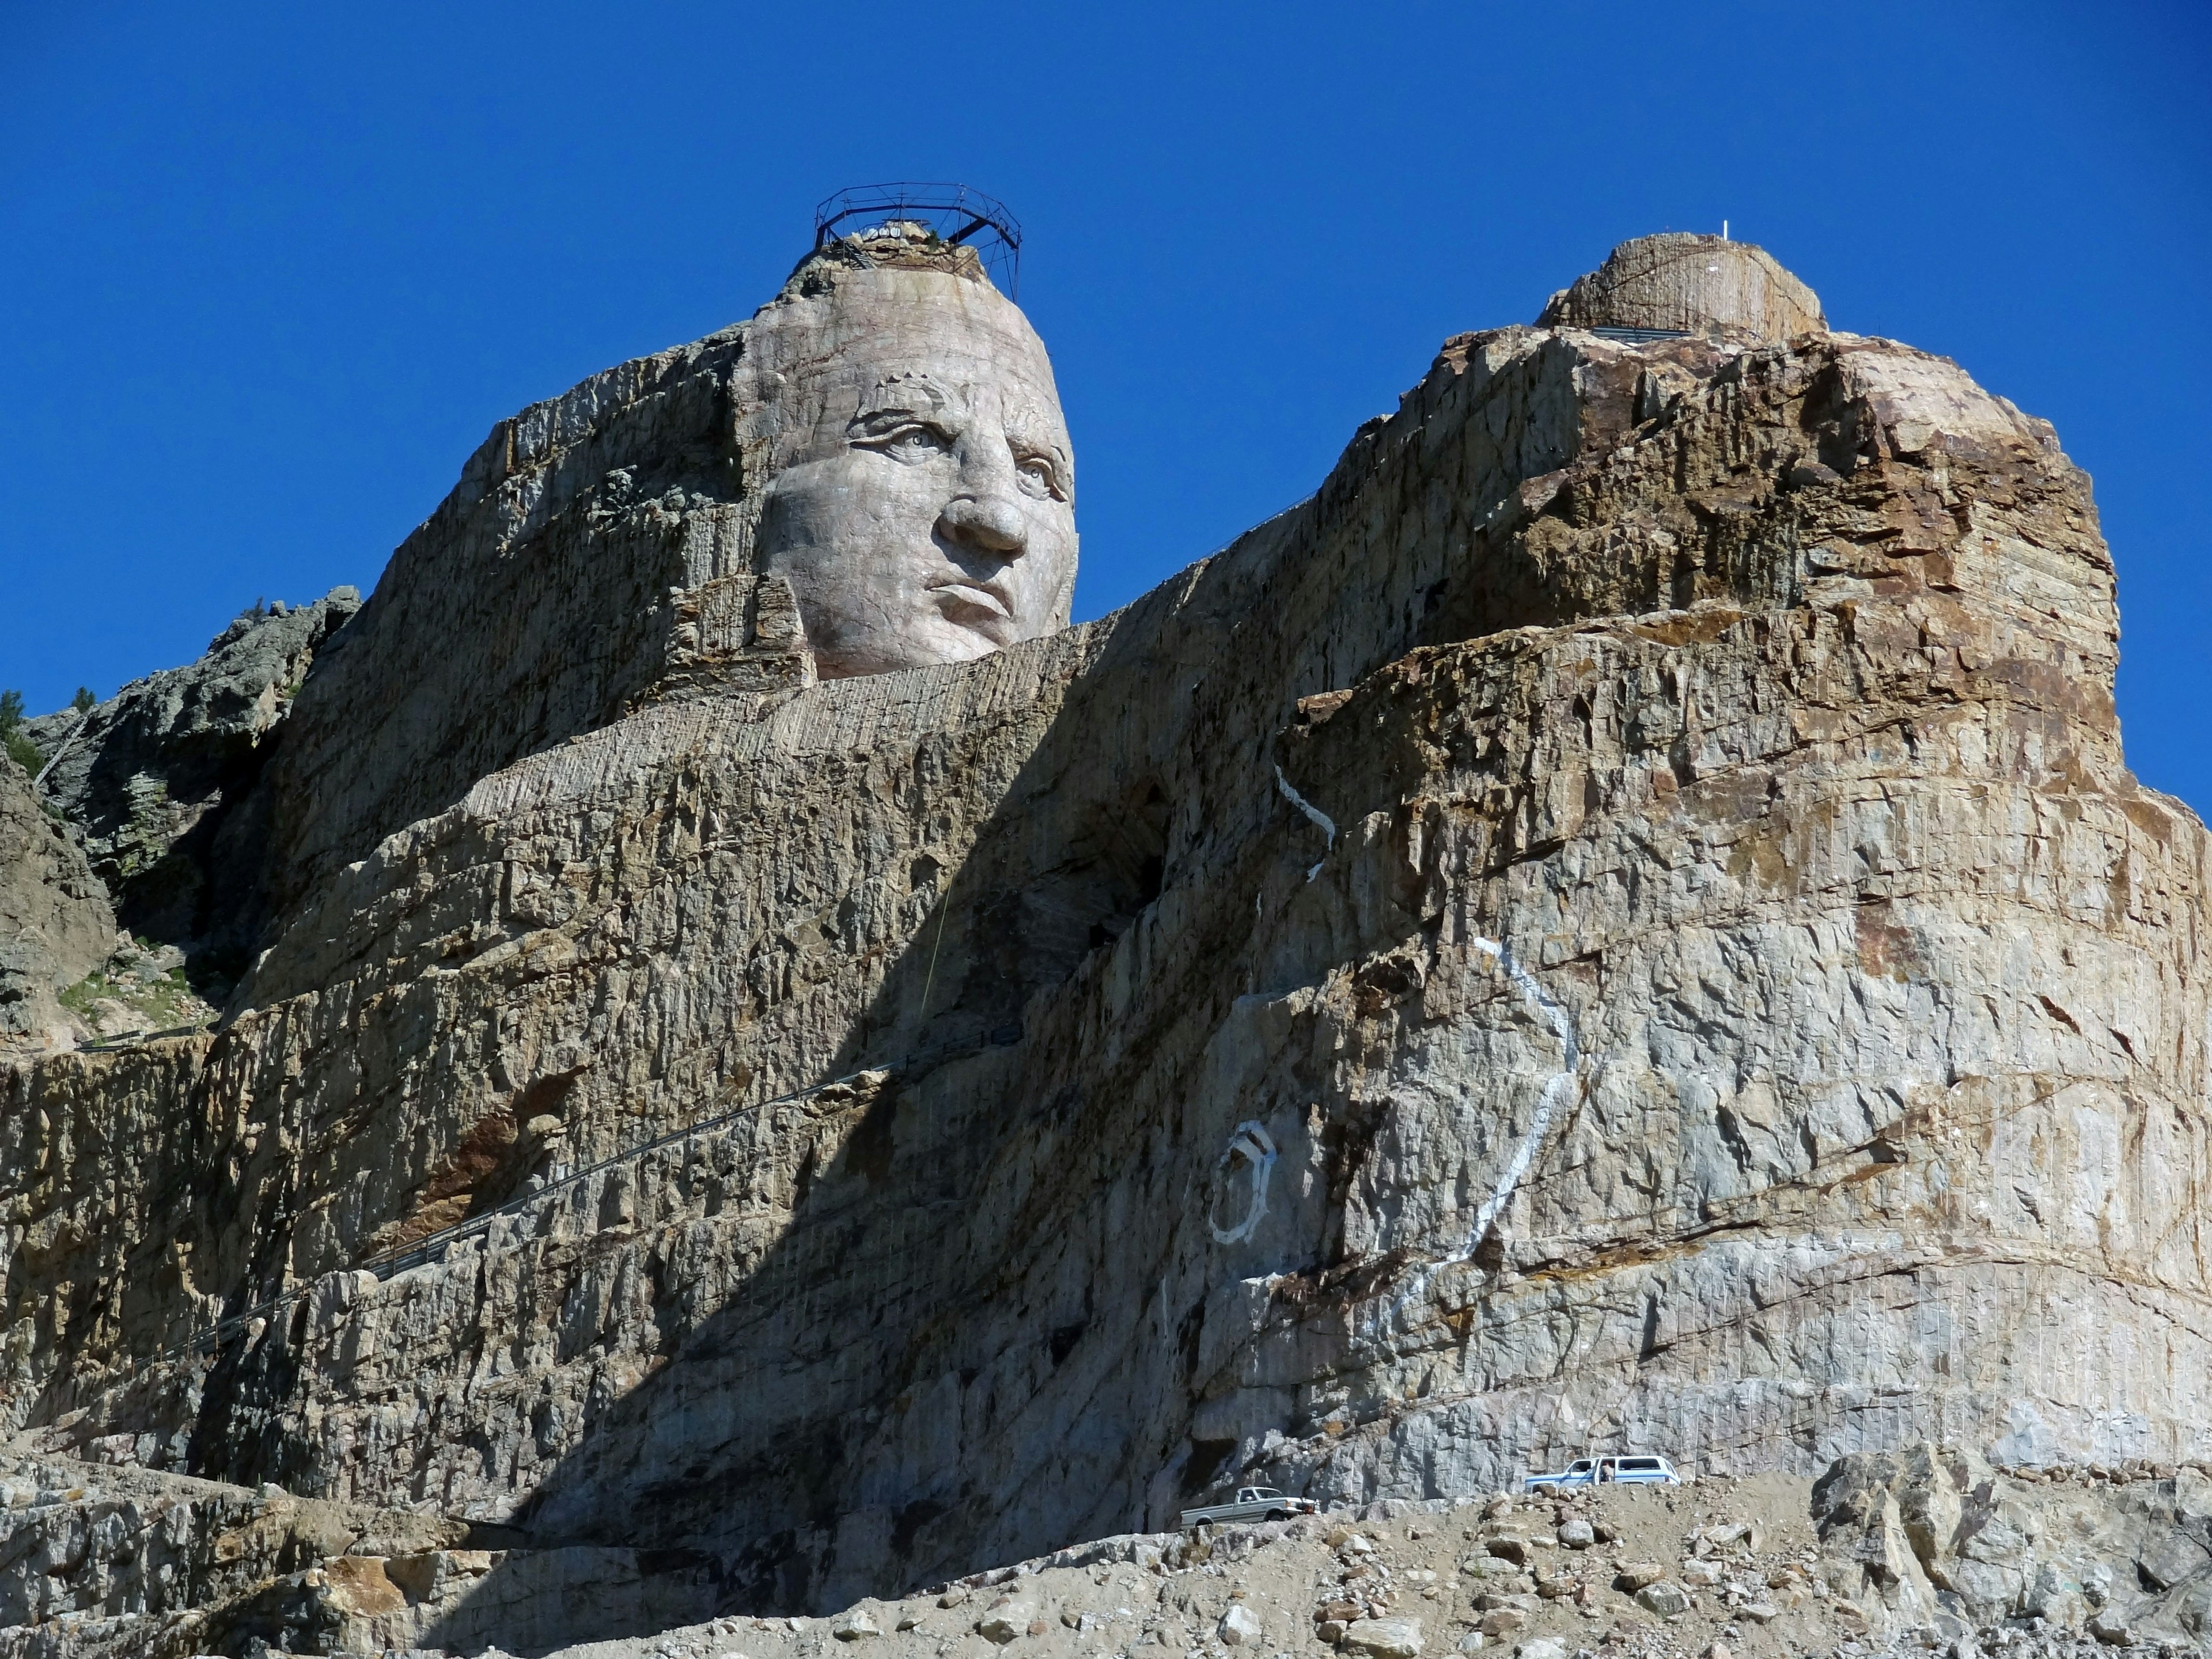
(1622,919)
(1690,283)
(536,603)
(1947,1543)
(662,527)
(100,1557)
(56,924)
(160,781)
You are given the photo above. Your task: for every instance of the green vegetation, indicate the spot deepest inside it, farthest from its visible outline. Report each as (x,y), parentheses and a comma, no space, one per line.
(160,1003)
(83,702)
(79,997)
(21,748)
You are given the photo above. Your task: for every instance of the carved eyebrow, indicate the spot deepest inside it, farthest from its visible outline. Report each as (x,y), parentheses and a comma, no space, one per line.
(1063,474)
(902,394)
(1026,443)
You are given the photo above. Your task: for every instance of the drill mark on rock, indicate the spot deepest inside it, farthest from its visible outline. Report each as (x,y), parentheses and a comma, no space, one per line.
(1328,824)
(1256,1148)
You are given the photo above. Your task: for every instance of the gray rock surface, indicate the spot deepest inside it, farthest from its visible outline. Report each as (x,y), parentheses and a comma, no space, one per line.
(1382,1581)
(160,782)
(1621,921)
(1945,1541)
(56,924)
(163,1563)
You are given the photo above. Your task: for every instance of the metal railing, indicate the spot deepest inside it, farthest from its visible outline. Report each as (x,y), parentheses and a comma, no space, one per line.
(1641,336)
(957,215)
(116,1041)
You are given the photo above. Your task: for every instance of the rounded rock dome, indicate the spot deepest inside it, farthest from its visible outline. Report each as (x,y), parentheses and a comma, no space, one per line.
(1681,280)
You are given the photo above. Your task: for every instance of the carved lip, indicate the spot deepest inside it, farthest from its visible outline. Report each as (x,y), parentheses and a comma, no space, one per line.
(987,597)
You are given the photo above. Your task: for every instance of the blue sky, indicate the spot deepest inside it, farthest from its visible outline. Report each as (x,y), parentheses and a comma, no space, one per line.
(268,273)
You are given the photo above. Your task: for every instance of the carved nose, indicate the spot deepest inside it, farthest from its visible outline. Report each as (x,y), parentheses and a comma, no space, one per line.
(988,527)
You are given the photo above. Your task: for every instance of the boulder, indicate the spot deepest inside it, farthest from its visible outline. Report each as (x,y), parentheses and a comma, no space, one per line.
(1386,1638)
(2110,1628)
(1665,1598)
(854,1625)
(1006,1620)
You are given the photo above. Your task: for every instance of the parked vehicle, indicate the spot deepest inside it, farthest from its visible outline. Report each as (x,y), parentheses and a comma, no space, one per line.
(1609,1471)
(1251,1503)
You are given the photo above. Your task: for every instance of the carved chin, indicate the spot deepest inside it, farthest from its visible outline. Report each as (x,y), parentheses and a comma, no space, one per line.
(929,636)
(963,631)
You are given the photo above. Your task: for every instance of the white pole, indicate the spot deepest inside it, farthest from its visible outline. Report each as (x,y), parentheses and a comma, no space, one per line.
(1723,230)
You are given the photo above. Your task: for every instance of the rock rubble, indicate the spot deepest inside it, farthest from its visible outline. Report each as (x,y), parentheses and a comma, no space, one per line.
(1767,1565)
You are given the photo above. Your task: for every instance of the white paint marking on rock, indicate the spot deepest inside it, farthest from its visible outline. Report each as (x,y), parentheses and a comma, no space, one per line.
(1328,824)
(1257,1148)
(1557,1088)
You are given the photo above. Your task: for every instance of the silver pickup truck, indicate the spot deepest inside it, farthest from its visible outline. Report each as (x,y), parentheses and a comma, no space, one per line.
(1251,1503)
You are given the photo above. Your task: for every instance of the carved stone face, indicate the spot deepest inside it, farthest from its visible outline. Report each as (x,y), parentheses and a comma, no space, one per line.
(922,502)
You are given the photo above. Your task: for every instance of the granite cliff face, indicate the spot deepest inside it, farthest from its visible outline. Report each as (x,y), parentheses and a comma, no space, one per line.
(56,922)
(1622,921)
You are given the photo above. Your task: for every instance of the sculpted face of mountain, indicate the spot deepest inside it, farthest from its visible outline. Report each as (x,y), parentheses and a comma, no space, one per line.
(875,466)
(1622,922)
(920,494)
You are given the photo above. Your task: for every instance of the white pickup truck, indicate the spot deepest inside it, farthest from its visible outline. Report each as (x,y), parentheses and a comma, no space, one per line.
(1251,1503)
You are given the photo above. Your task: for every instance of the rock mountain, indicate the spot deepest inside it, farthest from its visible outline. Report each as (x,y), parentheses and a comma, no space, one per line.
(1620,922)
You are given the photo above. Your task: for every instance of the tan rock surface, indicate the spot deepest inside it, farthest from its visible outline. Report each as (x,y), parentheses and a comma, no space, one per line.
(1727,996)
(884,439)
(56,923)
(1680,280)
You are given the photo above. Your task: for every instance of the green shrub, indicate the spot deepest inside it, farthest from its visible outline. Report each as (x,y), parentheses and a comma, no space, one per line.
(21,748)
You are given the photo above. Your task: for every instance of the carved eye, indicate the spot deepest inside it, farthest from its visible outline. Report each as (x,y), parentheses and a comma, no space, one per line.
(908,440)
(919,440)
(1038,477)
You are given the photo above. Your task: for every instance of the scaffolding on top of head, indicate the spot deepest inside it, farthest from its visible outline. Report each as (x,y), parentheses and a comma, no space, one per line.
(954,212)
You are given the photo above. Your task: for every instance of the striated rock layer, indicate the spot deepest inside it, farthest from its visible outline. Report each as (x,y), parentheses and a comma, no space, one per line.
(1622,921)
